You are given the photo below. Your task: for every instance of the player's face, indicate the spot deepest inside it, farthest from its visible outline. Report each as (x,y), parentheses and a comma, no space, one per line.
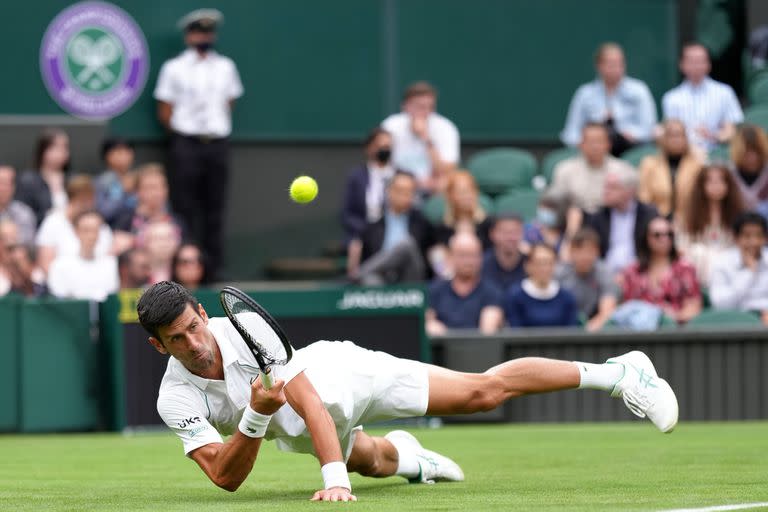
(188,339)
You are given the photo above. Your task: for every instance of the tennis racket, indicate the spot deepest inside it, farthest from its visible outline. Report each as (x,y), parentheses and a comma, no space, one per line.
(260,332)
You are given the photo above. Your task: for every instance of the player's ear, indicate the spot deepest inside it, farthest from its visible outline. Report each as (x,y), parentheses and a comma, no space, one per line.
(157,344)
(203,314)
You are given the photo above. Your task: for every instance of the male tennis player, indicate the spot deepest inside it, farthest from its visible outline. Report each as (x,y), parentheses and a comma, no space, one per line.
(322,396)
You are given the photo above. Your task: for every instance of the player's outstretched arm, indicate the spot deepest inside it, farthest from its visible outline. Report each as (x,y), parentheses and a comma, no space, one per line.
(228,464)
(303,398)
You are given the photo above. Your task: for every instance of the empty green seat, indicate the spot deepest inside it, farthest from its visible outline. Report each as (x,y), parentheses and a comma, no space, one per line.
(434,207)
(501,170)
(719,317)
(553,158)
(758,89)
(720,153)
(635,155)
(521,202)
(758,115)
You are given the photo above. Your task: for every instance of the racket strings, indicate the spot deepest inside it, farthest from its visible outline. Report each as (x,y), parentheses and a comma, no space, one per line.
(249,323)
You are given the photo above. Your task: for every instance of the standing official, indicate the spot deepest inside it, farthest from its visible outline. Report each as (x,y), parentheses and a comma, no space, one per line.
(196,92)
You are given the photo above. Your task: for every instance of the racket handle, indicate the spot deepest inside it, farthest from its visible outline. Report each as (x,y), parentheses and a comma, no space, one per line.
(266,379)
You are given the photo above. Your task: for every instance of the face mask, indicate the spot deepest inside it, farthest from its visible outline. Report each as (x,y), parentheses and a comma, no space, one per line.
(383,155)
(546,217)
(203,47)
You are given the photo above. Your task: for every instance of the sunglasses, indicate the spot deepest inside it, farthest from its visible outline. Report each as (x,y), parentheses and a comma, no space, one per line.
(662,234)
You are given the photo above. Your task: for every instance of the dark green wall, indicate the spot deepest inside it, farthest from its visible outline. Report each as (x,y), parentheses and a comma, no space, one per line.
(328,70)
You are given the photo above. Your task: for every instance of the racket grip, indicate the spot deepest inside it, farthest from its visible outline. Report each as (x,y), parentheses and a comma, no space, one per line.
(266,379)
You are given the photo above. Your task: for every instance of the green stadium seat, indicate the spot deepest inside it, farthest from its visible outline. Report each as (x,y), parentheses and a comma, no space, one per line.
(500,170)
(720,153)
(721,317)
(635,155)
(758,115)
(522,202)
(434,207)
(758,89)
(553,158)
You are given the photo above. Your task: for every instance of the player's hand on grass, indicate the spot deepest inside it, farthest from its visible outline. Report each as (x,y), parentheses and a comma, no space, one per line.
(267,401)
(334,494)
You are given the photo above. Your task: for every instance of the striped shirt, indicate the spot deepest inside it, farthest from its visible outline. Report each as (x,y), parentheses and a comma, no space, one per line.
(630,106)
(710,105)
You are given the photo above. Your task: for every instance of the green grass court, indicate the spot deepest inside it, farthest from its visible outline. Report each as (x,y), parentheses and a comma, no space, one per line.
(511,467)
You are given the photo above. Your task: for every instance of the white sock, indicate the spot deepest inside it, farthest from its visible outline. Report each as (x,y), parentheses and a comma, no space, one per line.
(599,376)
(407,463)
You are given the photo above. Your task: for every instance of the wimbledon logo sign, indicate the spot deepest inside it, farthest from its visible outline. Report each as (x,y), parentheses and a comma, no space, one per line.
(94,60)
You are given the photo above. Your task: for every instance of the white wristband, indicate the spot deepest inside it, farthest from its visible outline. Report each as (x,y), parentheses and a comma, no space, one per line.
(253,424)
(335,475)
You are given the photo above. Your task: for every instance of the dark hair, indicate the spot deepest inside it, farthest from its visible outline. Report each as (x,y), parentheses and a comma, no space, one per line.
(375,132)
(643,248)
(420,88)
(696,216)
(111,143)
(161,304)
(44,141)
(502,216)
(694,44)
(543,247)
(585,235)
(86,213)
(203,261)
(749,219)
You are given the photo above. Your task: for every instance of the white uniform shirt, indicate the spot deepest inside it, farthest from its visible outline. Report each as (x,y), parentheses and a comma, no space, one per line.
(410,153)
(200,89)
(709,104)
(72,277)
(56,231)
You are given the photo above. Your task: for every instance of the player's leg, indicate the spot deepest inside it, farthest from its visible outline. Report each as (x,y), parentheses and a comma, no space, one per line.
(372,456)
(631,376)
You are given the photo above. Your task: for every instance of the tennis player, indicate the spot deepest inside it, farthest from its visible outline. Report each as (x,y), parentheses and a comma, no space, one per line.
(328,390)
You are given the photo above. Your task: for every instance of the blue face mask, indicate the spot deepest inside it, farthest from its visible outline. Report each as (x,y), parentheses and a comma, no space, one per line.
(546,217)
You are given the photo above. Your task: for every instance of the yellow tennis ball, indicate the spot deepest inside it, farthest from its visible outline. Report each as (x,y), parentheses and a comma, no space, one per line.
(303,189)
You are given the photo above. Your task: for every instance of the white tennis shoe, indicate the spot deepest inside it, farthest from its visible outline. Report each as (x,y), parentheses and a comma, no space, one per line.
(433,467)
(644,392)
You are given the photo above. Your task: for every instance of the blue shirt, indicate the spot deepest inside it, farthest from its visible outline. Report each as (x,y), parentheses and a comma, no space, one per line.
(630,106)
(395,229)
(502,278)
(462,312)
(522,310)
(709,104)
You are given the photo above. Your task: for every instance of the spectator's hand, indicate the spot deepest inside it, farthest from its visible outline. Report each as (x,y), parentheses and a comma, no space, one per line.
(436,328)
(267,401)
(419,127)
(706,134)
(595,324)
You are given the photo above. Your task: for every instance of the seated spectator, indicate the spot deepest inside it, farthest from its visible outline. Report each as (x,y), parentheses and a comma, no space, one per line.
(660,277)
(44,188)
(56,236)
(26,280)
(504,263)
(549,225)
(425,143)
(161,240)
(189,267)
(621,222)
(749,156)
(463,211)
(589,279)
(540,301)
(5,270)
(87,275)
(466,301)
(366,184)
(740,276)
(16,211)
(116,186)
(392,249)
(704,229)
(623,104)
(709,110)
(580,179)
(666,178)
(133,268)
(151,206)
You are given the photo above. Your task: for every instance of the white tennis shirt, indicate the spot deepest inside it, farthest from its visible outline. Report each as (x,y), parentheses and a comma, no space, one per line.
(200,89)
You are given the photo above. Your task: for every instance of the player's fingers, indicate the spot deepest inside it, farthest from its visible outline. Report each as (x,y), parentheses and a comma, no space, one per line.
(277,386)
(317,496)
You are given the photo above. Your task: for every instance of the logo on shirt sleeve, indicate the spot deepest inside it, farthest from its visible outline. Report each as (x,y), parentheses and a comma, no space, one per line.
(189,421)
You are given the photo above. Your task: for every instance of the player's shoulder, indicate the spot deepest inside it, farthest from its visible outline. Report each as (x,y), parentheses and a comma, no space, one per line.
(175,391)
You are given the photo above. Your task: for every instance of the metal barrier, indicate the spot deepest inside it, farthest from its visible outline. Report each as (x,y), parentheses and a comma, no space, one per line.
(717,373)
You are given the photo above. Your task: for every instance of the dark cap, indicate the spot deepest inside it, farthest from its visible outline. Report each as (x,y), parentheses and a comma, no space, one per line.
(201,20)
